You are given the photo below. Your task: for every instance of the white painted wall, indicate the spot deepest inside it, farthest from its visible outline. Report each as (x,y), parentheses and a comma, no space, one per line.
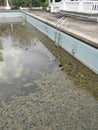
(86,6)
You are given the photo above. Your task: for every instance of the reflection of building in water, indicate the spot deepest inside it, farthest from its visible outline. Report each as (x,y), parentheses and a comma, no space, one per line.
(85,6)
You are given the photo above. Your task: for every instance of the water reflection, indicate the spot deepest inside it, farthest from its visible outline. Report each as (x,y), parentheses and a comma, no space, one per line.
(10,67)
(1,47)
(35,93)
(23,55)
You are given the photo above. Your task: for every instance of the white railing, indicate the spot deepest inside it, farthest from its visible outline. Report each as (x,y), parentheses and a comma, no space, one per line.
(72,6)
(90,6)
(75,6)
(56,7)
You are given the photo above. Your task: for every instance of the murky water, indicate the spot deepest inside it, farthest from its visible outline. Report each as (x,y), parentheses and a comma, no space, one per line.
(43,88)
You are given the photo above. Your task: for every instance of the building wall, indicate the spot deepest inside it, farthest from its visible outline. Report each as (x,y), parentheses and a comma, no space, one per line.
(85,6)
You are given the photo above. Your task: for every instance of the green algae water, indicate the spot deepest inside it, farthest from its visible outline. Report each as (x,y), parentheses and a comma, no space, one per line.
(41,86)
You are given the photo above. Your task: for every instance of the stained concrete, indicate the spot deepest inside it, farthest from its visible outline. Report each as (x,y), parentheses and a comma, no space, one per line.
(83,29)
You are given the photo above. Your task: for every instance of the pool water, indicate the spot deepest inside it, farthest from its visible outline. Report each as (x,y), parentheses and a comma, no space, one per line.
(39,89)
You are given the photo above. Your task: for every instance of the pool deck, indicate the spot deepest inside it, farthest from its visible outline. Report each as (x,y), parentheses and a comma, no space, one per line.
(84,30)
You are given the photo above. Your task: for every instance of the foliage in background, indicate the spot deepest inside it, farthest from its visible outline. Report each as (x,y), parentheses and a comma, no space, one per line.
(46,3)
(1,2)
(18,3)
(26,3)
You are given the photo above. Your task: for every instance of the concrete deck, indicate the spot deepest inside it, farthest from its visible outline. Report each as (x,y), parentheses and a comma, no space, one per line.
(86,31)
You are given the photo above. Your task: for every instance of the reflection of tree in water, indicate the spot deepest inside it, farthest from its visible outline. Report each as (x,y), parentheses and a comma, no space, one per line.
(10,67)
(19,33)
(4,30)
(1,48)
(22,36)
(15,37)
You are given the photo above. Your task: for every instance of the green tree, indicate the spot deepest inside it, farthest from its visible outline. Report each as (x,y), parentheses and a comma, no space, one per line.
(18,3)
(1,2)
(30,3)
(46,3)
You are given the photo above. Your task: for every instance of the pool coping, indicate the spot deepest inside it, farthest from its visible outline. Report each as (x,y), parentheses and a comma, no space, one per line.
(74,34)
(67,31)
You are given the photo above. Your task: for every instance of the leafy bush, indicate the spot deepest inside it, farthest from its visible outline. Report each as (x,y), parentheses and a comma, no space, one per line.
(26,3)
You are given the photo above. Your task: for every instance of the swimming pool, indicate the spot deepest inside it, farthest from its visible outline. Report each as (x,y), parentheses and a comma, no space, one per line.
(41,86)
(79,49)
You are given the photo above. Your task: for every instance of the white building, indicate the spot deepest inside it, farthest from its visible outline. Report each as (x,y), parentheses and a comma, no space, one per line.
(6,5)
(83,6)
